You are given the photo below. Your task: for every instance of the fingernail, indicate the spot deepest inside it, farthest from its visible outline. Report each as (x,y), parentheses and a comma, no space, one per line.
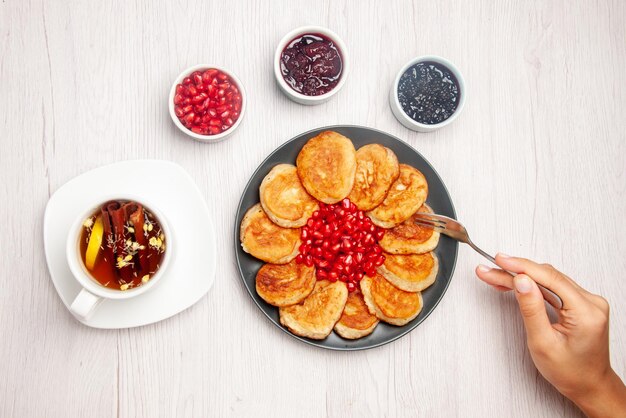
(502,255)
(483,268)
(522,284)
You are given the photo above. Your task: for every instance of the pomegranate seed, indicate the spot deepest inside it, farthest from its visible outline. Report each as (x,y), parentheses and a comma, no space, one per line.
(208,93)
(199,98)
(351,287)
(189,117)
(341,242)
(308,261)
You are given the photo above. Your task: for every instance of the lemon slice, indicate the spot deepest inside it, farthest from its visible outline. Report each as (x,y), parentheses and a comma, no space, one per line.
(95,241)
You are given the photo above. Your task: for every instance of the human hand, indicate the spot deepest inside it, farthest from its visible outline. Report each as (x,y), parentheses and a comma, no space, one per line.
(573,353)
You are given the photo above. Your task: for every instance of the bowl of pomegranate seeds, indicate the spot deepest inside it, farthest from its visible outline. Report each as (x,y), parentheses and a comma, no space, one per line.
(207,103)
(311,64)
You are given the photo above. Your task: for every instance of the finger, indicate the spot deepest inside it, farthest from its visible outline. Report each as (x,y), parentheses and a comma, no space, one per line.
(500,288)
(532,308)
(494,277)
(544,274)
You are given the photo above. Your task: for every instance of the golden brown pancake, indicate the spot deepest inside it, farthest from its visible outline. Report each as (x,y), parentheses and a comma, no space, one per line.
(389,303)
(412,272)
(356,320)
(409,237)
(284,199)
(285,284)
(316,315)
(326,166)
(376,169)
(265,240)
(405,197)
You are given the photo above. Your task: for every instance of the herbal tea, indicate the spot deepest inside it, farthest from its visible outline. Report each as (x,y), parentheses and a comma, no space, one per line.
(122,245)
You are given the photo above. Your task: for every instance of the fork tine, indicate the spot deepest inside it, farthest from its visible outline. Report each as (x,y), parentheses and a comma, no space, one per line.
(435,226)
(431,216)
(428,219)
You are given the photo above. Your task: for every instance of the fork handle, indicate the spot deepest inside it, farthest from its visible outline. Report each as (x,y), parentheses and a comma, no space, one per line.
(548,295)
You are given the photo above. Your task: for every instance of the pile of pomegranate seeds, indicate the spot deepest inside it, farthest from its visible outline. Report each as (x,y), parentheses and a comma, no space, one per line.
(207,102)
(342,243)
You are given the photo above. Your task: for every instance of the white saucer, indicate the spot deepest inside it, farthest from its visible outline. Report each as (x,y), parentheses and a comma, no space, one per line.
(191,271)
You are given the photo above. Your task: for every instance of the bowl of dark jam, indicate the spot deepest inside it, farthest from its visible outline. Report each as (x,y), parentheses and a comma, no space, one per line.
(311,64)
(428,93)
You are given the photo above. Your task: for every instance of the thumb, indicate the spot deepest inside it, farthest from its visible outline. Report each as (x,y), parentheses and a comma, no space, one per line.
(532,307)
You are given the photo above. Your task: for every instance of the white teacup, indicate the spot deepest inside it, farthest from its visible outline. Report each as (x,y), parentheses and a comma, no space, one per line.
(93,292)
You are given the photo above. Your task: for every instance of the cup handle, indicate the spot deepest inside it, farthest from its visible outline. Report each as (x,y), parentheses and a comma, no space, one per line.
(84,304)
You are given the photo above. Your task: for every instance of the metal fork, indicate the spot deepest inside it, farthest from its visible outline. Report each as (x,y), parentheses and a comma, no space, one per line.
(456,230)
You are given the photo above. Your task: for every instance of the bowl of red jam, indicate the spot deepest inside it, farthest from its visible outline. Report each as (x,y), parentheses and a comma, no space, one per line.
(311,64)
(207,102)
(428,93)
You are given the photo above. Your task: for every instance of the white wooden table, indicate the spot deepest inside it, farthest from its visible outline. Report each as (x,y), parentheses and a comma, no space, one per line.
(536,166)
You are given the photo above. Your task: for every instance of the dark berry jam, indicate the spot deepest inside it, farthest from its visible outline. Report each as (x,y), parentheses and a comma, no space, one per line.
(428,92)
(311,64)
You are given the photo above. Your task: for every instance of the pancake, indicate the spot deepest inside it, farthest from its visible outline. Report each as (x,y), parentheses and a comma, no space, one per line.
(326,166)
(388,303)
(265,240)
(409,237)
(356,321)
(411,273)
(376,169)
(316,315)
(285,284)
(405,197)
(283,198)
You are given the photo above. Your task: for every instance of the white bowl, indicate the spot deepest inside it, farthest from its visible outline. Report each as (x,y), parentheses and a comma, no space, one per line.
(299,97)
(183,128)
(403,118)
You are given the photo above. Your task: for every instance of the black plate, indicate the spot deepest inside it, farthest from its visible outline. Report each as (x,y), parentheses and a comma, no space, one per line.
(438,199)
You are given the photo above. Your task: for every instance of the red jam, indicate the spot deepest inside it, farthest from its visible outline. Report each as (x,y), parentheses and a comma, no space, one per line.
(342,243)
(207,102)
(311,64)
